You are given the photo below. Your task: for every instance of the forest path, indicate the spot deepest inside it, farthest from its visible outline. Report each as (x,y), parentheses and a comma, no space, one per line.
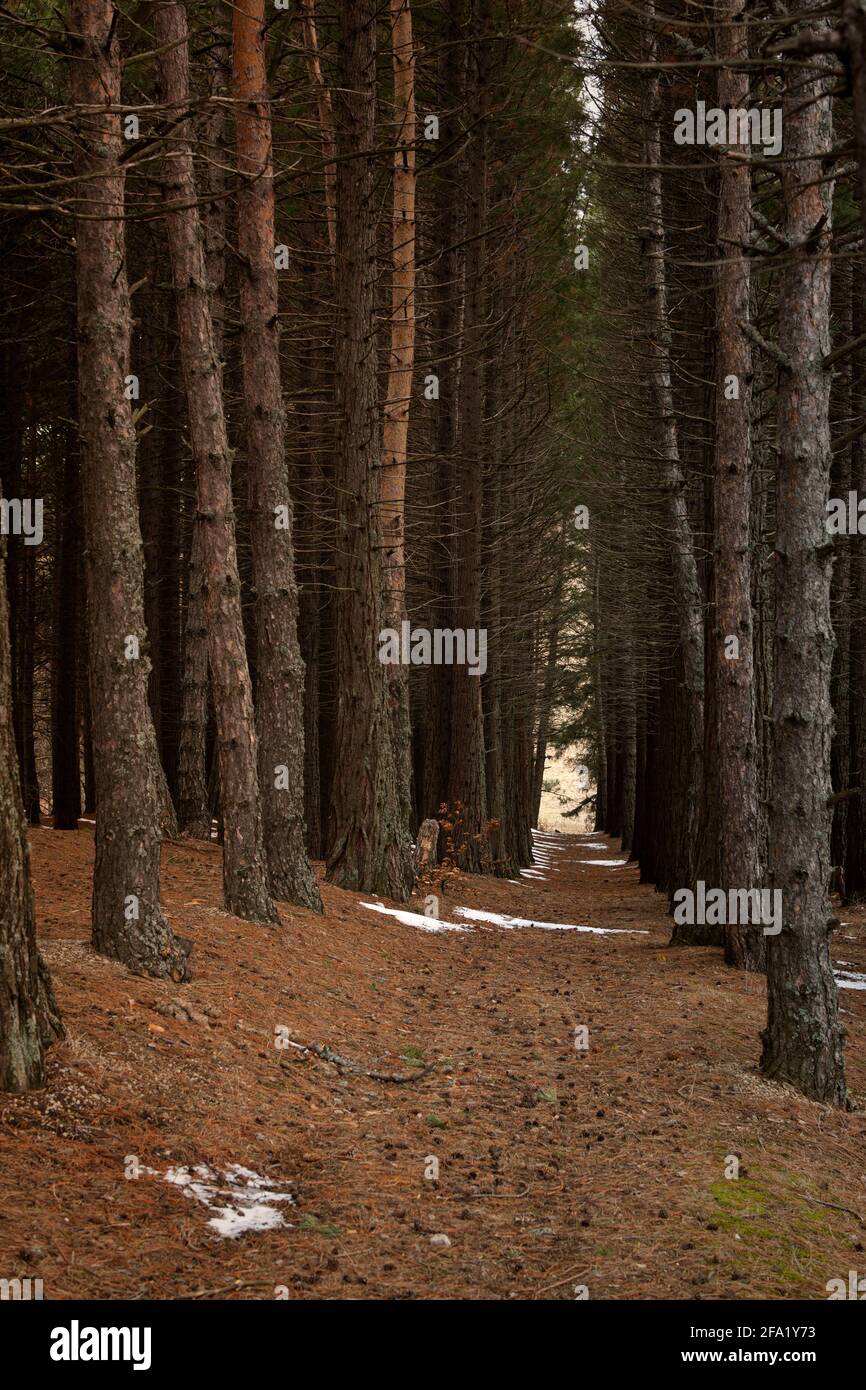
(559,1166)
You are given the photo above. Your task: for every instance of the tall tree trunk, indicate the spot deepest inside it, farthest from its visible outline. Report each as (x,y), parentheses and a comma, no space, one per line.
(26,673)
(368,841)
(127,921)
(395,435)
(29,1021)
(245,879)
(547,692)
(600,696)
(802,1041)
(855,858)
(149,348)
(89,807)
(854,37)
(689,602)
(467,781)
(840,593)
(326,119)
(491,686)
(194,813)
(733,670)
(279,668)
(12,474)
(312,496)
(398,390)
(65,760)
(193,804)
(446,363)
(27,654)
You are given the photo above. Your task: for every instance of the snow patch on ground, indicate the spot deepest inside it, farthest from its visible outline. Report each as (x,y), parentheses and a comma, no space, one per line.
(609,863)
(242,1200)
(414,919)
(849,979)
(476,915)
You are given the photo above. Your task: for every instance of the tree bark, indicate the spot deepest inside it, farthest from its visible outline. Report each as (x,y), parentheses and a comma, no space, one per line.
(194,811)
(29,1020)
(398,390)
(245,878)
(65,753)
(689,601)
(279,668)
(733,674)
(446,361)
(855,858)
(467,796)
(802,1041)
(127,922)
(395,435)
(368,841)
(326,120)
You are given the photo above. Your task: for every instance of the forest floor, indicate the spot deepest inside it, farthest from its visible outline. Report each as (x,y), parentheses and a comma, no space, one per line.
(559,1166)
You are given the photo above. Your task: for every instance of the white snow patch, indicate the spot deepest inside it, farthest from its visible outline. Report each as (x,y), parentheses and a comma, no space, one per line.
(414,919)
(476,915)
(850,979)
(241,1199)
(608,863)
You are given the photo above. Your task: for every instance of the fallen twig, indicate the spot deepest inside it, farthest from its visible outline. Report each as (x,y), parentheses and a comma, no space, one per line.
(834,1206)
(233,1288)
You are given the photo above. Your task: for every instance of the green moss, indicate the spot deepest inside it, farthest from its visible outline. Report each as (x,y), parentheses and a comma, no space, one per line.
(319,1228)
(780,1233)
(742,1200)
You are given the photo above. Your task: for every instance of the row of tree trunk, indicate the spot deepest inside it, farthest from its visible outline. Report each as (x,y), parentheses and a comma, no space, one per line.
(733,753)
(309,400)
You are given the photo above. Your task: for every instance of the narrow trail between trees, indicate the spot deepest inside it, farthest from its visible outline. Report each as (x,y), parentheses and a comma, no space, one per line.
(586,1099)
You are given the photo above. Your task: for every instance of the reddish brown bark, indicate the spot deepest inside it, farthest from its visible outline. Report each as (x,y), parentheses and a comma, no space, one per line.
(467,792)
(279,668)
(244,863)
(368,839)
(326,118)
